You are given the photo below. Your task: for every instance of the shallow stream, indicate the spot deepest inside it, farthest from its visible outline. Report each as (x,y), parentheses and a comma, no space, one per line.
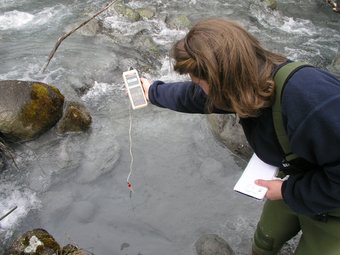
(74,186)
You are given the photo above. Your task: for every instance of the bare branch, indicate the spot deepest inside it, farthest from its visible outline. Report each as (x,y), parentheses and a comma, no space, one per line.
(12,210)
(7,152)
(63,37)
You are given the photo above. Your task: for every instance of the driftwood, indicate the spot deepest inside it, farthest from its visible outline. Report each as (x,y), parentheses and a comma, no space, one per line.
(63,37)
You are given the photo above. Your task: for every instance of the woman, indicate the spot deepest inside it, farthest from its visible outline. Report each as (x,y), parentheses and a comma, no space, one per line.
(232,73)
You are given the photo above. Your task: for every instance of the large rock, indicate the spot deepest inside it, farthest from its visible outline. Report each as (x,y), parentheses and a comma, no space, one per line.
(228,131)
(28,109)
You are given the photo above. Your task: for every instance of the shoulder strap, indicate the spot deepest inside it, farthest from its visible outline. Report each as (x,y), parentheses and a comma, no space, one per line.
(280,78)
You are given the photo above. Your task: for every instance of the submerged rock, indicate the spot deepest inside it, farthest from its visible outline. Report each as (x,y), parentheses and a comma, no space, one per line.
(212,244)
(272,4)
(146,13)
(178,22)
(28,109)
(122,9)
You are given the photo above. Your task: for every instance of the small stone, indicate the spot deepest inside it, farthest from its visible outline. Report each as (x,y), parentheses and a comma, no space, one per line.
(76,118)
(212,244)
(146,13)
(272,4)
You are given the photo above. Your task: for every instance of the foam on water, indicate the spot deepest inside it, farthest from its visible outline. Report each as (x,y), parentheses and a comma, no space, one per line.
(15,20)
(298,26)
(46,14)
(167,35)
(11,196)
(274,19)
(18,20)
(98,90)
(167,73)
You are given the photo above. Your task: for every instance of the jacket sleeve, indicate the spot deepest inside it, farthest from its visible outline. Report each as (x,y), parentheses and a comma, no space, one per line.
(313,127)
(179,96)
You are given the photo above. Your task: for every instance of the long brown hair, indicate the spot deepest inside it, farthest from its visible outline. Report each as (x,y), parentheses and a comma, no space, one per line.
(232,61)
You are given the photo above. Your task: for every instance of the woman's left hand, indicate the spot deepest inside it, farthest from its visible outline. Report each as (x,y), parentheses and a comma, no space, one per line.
(274,188)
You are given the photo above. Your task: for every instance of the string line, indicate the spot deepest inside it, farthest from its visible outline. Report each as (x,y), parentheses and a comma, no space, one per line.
(130,150)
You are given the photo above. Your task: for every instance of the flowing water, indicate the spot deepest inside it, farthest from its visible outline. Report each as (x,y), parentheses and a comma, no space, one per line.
(74,186)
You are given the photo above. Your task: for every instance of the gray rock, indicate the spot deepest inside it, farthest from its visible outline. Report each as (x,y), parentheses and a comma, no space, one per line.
(146,13)
(229,132)
(126,11)
(91,28)
(335,68)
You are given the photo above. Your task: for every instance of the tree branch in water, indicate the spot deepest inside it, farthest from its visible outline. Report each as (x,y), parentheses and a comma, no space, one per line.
(63,37)
(12,210)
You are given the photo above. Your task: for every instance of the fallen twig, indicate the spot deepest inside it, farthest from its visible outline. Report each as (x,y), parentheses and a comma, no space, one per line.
(63,37)
(12,210)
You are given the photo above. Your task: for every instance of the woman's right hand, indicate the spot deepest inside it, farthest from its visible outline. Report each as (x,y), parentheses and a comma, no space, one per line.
(146,85)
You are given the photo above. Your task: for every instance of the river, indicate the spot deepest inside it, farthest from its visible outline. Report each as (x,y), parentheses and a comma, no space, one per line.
(74,186)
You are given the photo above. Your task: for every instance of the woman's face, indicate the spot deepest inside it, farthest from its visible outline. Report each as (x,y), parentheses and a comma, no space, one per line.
(202,83)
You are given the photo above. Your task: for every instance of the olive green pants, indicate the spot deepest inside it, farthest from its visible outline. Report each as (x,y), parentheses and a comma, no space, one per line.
(278,224)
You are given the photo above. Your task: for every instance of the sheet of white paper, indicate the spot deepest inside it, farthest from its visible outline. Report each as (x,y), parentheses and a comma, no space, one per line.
(256,169)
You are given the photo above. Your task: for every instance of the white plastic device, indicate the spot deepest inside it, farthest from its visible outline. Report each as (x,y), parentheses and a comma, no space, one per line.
(135,89)
(256,169)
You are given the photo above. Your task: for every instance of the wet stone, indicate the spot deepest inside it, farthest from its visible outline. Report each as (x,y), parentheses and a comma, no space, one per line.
(212,244)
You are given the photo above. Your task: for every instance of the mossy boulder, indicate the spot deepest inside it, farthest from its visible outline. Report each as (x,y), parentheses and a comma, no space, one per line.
(28,109)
